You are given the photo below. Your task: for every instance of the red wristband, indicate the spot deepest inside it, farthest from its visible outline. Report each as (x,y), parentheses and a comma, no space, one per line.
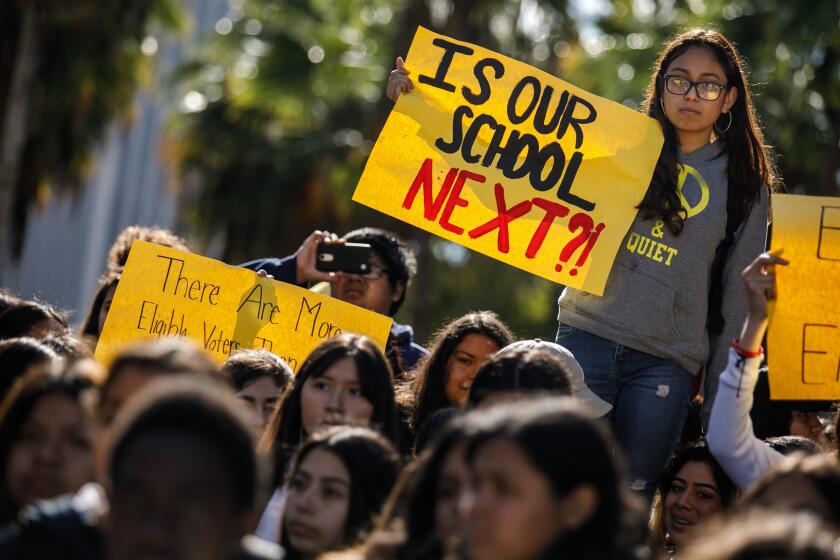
(746,353)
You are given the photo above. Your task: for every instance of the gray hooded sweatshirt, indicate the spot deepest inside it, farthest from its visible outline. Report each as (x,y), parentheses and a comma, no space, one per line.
(656,297)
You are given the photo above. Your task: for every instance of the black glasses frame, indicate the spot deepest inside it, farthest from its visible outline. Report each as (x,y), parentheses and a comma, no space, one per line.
(692,84)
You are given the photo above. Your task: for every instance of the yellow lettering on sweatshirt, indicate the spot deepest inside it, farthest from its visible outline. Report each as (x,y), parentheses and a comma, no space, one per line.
(650,248)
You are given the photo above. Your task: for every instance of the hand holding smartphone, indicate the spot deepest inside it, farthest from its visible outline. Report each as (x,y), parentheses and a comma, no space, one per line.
(353,258)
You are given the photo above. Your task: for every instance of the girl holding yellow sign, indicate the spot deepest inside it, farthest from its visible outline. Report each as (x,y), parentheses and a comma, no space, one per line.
(672,302)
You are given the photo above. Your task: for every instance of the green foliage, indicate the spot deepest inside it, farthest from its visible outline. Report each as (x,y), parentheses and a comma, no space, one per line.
(278,133)
(286,111)
(282,96)
(792,50)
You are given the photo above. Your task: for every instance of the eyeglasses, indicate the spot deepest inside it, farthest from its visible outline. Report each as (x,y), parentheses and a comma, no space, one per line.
(679,85)
(375,273)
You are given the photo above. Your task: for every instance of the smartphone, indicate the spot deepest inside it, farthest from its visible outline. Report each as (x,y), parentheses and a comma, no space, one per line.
(349,257)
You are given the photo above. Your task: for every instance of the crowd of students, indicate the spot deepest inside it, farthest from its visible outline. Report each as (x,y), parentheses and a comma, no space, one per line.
(487,448)
(482,446)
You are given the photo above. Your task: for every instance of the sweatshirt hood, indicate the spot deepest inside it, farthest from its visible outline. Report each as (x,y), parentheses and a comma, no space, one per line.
(708,152)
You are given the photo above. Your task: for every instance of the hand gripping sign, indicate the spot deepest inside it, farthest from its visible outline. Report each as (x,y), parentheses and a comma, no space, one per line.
(512,162)
(164,292)
(803,341)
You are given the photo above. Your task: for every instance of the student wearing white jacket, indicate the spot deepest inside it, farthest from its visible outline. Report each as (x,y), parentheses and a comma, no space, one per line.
(744,457)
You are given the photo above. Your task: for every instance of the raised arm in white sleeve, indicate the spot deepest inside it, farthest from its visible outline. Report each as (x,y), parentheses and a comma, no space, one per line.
(731,439)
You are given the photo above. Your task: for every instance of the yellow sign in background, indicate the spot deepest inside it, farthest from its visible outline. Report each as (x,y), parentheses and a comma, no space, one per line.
(512,162)
(803,342)
(164,292)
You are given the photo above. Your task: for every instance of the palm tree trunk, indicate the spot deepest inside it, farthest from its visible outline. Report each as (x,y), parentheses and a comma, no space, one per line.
(13,139)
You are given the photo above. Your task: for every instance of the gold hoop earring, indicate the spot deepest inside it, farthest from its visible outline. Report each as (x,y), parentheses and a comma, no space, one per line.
(729,124)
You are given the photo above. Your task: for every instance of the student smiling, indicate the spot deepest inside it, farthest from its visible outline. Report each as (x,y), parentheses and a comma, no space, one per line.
(459,350)
(693,489)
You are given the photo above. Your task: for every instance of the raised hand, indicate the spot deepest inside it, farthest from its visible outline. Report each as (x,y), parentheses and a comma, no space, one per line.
(398,81)
(307,258)
(760,283)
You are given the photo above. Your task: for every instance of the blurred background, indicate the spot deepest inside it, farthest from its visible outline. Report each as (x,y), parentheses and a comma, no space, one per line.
(243,125)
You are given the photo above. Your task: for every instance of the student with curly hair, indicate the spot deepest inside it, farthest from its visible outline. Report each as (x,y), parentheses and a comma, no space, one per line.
(459,349)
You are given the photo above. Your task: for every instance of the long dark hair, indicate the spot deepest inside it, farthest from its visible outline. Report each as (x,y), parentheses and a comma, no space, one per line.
(750,166)
(284,432)
(90,326)
(18,405)
(373,465)
(430,379)
(692,452)
(570,450)
(410,510)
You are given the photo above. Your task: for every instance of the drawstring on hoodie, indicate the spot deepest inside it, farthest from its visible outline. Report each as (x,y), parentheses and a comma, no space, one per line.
(740,365)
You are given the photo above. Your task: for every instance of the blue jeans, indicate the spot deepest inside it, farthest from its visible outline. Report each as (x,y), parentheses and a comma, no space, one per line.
(649,395)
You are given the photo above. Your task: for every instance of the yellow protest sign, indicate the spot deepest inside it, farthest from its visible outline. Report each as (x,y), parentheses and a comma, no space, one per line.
(164,292)
(803,342)
(512,162)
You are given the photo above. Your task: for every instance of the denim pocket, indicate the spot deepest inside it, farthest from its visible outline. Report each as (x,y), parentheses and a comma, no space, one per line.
(564,330)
